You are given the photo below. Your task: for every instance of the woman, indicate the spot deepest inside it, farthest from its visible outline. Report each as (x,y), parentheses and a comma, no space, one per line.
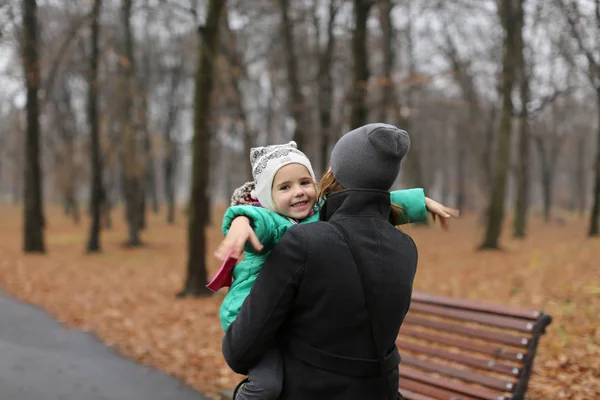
(332,295)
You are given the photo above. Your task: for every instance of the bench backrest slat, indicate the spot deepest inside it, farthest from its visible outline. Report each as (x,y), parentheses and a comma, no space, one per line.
(473,391)
(428,390)
(467,376)
(475,316)
(453,327)
(488,364)
(491,349)
(476,306)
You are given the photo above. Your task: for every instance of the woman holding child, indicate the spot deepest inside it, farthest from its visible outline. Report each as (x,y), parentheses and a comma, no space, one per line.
(321,318)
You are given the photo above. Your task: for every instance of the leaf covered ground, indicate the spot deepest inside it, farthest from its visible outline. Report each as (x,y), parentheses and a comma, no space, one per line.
(126,297)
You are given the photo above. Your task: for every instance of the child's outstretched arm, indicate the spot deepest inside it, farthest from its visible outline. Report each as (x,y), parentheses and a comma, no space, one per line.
(416,206)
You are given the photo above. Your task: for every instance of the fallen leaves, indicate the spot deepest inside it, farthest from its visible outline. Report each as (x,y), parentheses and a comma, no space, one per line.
(126,297)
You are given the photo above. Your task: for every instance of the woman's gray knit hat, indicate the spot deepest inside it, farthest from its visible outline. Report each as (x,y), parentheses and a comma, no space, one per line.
(369,157)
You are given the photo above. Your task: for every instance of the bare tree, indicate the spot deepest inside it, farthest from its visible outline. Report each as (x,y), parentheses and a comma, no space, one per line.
(132,184)
(387,38)
(326,83)
(208,50)
(360,71)
(297,98)
(405,112)
(573,15)
(62,146)
(96,194)
(579,174)
(238,72)
(171,151)
(522,199)
(34,215)
(144,82)
(548,146)
(495,212)
(467,133)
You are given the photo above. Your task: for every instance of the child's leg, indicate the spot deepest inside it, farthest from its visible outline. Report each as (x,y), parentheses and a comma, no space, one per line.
(264,380)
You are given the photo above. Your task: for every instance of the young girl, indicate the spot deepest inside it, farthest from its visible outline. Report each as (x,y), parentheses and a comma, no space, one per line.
(283,194)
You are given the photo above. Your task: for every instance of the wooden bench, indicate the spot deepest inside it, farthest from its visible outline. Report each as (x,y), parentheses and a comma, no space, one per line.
(455,349)
(459,349)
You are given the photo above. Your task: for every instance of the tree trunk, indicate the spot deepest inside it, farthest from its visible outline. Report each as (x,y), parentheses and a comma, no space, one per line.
(495,215)
(146,178)
(547,194)
(487,158)
(326,89)
(171,156)
(107,205)
(414,160)
(298,106)
(580,176)
(546,178)
(247,146)
(464,134)
(150,177)
(360,70)
(444,156)
(270,127)
(132,171)
(595,216)
(65,126)
(522,200)
(385,20)
(144,84)
(548,163)
(96,187)
(461,172)
(195,284)
(169,167)
(239,71)
(33,210)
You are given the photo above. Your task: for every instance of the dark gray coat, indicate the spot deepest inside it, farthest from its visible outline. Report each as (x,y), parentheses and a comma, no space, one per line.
(309,296)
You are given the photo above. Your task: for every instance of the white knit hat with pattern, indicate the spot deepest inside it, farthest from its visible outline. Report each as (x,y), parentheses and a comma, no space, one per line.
(266,161)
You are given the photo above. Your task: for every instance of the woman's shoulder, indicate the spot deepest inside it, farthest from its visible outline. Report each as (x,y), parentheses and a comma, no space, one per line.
(317,232)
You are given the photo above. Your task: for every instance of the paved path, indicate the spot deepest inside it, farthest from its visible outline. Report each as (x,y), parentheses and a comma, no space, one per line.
(41,359)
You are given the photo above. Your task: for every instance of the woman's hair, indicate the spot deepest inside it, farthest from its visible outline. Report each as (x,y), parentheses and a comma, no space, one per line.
(329,185)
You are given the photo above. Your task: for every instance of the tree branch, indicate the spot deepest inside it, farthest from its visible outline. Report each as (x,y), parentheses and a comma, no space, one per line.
(548,100)
(593,66)
(191,10)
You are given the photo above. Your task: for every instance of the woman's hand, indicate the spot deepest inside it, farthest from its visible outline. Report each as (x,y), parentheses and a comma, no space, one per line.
(239,233)
(440,211)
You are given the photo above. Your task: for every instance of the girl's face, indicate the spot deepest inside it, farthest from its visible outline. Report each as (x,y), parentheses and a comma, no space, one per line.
(293,191)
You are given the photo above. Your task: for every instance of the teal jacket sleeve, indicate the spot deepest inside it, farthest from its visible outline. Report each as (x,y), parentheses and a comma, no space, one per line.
(413,203)
(267,306)
(264,224)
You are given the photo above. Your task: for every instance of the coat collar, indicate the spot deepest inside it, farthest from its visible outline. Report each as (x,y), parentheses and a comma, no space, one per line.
(356,202)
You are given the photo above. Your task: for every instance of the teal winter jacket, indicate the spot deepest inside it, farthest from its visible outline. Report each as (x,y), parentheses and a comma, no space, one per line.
(270,227)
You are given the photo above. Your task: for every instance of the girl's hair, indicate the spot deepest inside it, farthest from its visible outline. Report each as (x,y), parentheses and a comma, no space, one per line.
(329,185)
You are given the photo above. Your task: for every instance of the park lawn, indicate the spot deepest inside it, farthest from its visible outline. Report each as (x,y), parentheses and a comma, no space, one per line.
(127,296)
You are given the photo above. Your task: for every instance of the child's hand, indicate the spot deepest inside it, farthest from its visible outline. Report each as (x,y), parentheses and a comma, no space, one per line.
(239,232)
(439,210)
